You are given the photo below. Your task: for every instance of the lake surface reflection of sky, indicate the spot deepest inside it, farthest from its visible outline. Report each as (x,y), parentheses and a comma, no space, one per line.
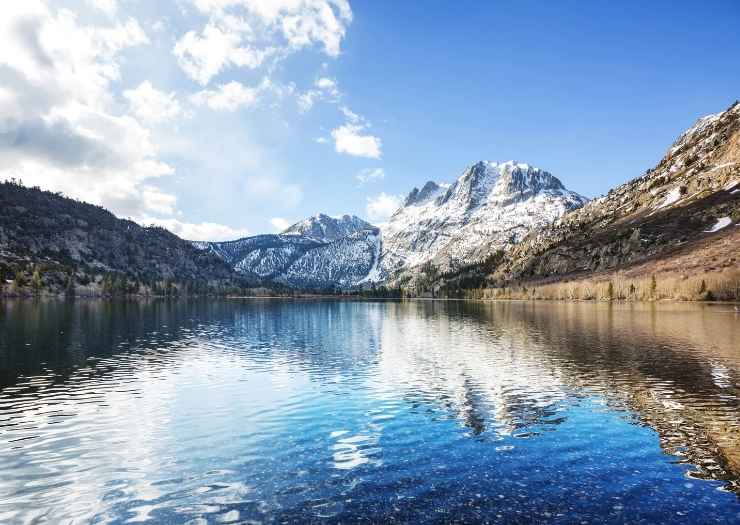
(378,412)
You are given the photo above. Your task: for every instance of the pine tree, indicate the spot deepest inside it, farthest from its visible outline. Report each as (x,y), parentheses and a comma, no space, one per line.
(108,284)
(69,287)
(19,281)
(36,282)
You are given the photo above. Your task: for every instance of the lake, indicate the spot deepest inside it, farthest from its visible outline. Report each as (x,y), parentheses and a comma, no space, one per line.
(298,411)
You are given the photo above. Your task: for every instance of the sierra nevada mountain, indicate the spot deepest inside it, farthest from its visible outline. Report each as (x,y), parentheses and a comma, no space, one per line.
(491,206)
(516,215)
(319,252)
(511,208)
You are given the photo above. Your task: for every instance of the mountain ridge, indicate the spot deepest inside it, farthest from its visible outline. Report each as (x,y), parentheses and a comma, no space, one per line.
(702,162)
(308,253)
(677,220)
(60,245)
(320,252)
(497,225)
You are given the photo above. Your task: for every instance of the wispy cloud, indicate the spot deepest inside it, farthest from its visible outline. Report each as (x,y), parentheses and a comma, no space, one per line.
(203,231)
(61,100)
(275,189)
(110,7)
(325,88)
(370,175)
(245,33)
(280,224)
(94,125)
(382,206)
(151,105)
(351,138)
(228,97)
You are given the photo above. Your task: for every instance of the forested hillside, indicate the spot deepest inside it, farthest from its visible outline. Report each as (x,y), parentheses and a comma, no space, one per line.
(52,244)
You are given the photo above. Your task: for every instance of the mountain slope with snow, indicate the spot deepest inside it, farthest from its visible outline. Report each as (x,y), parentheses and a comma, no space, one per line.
(490,206)
(686,202)
(319,252)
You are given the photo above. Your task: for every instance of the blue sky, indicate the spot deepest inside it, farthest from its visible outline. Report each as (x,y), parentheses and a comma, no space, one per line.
(219,118)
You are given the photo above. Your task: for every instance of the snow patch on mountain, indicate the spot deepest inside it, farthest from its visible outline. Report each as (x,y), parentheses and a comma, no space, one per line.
(673,196)
(375,274)
(721,223)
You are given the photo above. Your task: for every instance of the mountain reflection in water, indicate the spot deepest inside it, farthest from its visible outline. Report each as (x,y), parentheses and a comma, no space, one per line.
(424,411)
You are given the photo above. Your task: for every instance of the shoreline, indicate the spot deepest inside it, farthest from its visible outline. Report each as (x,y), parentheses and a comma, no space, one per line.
(358,298)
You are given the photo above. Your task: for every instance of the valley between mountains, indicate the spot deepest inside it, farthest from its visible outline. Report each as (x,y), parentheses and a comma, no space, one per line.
(498,230)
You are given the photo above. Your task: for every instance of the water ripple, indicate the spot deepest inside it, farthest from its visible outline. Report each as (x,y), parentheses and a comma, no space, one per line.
(333,411)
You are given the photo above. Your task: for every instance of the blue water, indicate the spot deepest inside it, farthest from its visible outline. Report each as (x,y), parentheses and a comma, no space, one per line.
(280,411)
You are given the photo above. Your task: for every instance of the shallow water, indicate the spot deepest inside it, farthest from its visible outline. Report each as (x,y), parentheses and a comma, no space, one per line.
(332,411)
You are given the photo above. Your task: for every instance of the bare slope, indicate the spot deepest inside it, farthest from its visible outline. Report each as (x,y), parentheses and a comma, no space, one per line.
(692,195)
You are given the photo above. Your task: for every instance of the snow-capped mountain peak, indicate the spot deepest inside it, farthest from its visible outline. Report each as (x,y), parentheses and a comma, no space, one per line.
(317,252)
(325,228)
(490,206)
(500,183)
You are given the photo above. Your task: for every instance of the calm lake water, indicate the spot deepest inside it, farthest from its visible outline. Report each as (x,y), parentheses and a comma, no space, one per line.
(327,411)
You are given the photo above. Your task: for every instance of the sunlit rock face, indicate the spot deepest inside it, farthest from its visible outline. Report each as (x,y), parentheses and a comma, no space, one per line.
(693,191)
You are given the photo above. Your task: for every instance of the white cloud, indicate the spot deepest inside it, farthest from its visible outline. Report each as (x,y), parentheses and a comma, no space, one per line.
(369,175)
(245,32)
(204,55)
(227,97)
(160,25)
(325,88)
(59,127)
(71,121)
(51,59)
(306,22)
(157,201)
(381,207)
(349,139)
(204,231)
(151,105)
(307,100)
(328,85)
(300,22)
(351,116)
(280,224)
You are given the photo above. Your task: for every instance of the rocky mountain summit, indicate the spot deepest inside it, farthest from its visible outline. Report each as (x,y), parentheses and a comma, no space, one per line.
(320,252)
(491,206)
(324,228)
